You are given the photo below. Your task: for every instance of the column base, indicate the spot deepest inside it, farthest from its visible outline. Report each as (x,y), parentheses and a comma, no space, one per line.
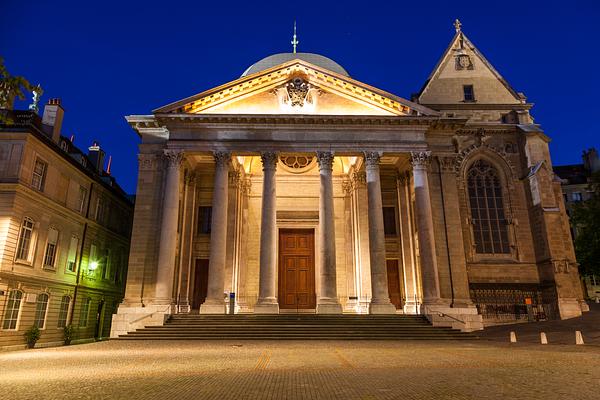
(128,319)
(329,308)
(266,308)
(569,308)
(411,307)
(212,308)
(382,308)
(464,318)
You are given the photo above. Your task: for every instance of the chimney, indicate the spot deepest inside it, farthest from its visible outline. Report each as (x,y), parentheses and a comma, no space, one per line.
(96,156)
(53,118)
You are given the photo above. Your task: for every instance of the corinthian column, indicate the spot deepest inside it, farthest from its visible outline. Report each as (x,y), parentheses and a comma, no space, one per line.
(267,300)
(168,230)
(380,298)
(424,220)
(214,303)
(328,302)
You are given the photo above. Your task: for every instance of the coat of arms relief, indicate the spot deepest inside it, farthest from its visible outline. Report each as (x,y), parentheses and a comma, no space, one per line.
(297,95)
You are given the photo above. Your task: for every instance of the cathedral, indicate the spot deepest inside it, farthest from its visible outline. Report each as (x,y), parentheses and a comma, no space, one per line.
(298,189)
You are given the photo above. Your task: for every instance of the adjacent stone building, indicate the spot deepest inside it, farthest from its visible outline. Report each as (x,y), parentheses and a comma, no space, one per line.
(65,226)
(296,188)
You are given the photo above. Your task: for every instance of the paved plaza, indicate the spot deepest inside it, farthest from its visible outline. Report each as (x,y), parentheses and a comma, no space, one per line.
(302,370)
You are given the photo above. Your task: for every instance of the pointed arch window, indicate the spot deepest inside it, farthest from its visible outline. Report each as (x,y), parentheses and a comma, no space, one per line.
(490,227)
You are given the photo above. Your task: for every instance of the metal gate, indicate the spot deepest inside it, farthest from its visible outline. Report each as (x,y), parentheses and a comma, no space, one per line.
(505,302)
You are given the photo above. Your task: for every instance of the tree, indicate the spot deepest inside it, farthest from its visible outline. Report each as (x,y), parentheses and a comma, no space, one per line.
(11,87)
(586,219)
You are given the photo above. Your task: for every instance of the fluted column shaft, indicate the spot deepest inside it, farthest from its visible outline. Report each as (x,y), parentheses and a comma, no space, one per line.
(168,230)
(424,220)
(214,303)
(328,302)
(267,298)
(380,298)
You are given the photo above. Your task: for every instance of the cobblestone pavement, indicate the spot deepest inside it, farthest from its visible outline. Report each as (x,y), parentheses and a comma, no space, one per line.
(302,370)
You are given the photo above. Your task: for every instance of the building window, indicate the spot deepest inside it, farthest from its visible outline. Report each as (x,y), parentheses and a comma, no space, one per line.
(39,175)
(204,219)
(389,221)
(82,197)
(25,240)
(577,196)
(63,312)
(93,259)
(85,312)
(41,309)
(468,93)
(51,246)
(13,309)
(106,264)
(99,213)
(72,256)
(490,228)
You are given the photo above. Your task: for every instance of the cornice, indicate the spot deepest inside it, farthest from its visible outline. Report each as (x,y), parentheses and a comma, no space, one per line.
(163,120)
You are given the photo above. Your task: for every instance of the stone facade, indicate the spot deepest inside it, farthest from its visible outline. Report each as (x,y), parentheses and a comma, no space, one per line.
(444,206)
(64,234)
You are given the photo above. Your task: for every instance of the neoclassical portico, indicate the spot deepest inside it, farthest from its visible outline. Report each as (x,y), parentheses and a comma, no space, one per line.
(328,300)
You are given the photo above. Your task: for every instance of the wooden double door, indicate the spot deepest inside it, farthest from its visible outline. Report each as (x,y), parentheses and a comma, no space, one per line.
(297,269)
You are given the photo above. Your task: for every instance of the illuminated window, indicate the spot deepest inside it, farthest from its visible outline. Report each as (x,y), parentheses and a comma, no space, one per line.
(468,93)
(490,228)
(577,196)
(93,259)
(13,309)
(63,312)
(204,219)
(51,246)
(39,175)
(85,312)
(41,309)
(72,255)
(25,240)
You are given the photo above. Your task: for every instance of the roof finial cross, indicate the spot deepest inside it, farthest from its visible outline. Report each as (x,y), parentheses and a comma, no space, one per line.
(295,41)
(457,25)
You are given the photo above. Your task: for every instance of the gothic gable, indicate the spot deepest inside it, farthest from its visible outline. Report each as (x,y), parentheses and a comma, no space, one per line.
(463,64)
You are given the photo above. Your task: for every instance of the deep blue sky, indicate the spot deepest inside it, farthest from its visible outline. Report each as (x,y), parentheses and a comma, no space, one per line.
(111,59)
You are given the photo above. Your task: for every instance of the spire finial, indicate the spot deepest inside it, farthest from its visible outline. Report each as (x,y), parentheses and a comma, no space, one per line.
(295,41)
(457,25)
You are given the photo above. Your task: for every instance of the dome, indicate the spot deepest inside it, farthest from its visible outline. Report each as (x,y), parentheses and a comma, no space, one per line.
(281,58)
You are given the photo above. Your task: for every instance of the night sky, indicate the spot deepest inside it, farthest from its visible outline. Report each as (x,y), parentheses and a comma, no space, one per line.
(111,59)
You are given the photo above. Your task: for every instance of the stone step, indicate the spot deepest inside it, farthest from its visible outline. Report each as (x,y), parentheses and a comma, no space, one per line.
(296,327)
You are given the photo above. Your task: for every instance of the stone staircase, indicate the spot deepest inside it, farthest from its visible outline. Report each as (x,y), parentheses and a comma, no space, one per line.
(296,327)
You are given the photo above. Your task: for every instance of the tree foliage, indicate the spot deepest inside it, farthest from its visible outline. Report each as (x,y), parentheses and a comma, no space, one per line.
(586,219)
(11,87)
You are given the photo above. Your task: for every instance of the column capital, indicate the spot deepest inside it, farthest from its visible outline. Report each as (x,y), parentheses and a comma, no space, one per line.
(222,158)
(173,158)
(447,163)
(190,178)
(359,178)
(269,160)
(420,159)
(325,159)
(372,158)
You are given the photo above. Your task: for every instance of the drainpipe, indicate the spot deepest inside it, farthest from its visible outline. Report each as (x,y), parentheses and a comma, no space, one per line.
(446,230)
(85,226)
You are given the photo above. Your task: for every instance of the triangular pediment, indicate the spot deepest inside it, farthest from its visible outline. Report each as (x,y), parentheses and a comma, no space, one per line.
(463,64)
(296,87)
